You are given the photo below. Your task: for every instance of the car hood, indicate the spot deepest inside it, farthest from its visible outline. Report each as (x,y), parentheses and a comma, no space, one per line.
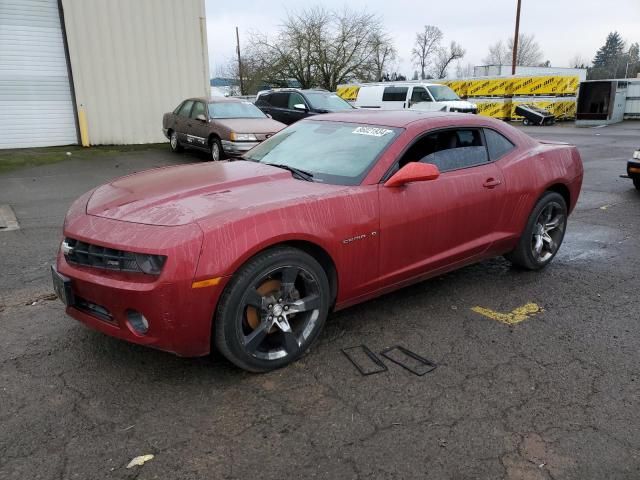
(181,195)
(251,125)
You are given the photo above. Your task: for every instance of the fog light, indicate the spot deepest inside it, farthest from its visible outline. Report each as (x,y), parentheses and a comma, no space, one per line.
(138,322)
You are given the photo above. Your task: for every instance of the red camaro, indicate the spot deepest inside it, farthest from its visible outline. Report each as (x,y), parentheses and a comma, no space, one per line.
(250,256)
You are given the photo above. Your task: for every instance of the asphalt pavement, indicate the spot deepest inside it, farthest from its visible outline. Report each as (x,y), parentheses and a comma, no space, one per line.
(538,374)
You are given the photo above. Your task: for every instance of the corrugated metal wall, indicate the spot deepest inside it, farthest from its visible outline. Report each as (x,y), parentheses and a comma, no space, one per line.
(132,61)
(36,107)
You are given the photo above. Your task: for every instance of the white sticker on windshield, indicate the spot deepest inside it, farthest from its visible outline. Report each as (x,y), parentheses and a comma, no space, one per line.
(372,131)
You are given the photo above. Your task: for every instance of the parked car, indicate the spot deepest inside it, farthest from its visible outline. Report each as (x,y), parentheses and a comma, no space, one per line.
(633,168)
(428,97)
(290,105)
(250,256)
(221,126)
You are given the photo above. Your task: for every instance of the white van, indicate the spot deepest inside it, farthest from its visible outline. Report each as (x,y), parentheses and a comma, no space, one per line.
(417,95)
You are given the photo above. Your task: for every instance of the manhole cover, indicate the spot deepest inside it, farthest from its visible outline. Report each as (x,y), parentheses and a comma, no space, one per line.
(8,219)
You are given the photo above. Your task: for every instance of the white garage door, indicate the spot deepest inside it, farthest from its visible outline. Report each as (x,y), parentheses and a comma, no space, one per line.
(36,108)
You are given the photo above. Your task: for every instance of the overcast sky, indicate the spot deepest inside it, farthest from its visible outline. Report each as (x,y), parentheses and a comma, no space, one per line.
(563,28)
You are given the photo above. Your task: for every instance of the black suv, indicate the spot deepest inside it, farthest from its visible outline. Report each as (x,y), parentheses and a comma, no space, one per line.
(290,105)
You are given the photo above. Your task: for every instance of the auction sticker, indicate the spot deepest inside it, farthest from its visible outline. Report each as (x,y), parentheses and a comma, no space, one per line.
(372,131)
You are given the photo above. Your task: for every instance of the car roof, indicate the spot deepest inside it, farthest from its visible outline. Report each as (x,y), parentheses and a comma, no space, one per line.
(218,99)
(390,118)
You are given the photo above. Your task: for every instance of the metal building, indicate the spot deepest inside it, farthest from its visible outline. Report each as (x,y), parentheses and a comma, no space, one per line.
(97,71)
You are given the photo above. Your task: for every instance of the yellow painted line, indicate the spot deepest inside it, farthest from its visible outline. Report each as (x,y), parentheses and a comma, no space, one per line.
(514,317)
(206,283)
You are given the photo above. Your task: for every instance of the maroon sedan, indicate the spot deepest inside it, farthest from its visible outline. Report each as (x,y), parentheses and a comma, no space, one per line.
(249,257)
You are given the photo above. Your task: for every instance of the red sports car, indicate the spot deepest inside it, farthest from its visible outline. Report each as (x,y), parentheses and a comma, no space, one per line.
(250,256)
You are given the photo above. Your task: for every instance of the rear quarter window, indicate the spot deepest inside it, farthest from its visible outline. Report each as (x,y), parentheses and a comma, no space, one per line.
(395,94)
(497,144)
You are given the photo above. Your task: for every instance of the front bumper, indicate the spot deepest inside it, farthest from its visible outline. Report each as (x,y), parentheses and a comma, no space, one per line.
(237,148)
(633,168)
(179,316)
(165,131)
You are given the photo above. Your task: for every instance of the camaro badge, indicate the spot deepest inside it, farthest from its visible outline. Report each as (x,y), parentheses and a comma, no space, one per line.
(348,241)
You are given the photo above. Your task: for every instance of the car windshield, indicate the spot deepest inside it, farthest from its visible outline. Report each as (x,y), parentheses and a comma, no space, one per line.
(442,93)
(235,110)
(327,101)
(333,152)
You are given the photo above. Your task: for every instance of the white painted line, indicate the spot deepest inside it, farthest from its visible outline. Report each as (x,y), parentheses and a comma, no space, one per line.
(8,220)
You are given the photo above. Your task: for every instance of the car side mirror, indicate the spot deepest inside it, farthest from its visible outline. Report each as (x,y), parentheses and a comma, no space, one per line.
(413,172)
(300,106)
(201,118)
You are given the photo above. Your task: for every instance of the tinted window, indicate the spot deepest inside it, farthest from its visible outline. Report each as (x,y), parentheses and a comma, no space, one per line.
(280,100)
(327,101)
(395,94)
(295,99)
(186,108)
(419,94)
(497,144)
(334,152)
(264,99)
(448,150)
(198,109)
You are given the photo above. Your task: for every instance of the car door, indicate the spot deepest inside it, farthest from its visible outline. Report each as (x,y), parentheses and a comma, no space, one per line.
(430,225)
(182,118)
(197,131)
(421,96)
(395,98)
(280,107)
(294,103)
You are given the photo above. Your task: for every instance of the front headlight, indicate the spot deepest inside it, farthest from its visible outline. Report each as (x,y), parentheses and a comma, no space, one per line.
(243,137)
(636,155)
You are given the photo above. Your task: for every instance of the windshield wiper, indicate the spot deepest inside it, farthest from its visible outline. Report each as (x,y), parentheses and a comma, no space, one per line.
(302,174)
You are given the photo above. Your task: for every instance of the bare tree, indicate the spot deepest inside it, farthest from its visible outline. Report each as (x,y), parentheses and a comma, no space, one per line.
(425,47)
(321,47)
(464,71)
(444,58)
(578,61)
(384,53)
(529,52)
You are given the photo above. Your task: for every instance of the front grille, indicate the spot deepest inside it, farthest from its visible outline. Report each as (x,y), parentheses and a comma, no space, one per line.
(81,253)
(465,110)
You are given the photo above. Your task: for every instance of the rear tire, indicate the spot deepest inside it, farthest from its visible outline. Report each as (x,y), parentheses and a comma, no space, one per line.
(636,183)
(543,234)
(272,310)
(174,143)
(525,122)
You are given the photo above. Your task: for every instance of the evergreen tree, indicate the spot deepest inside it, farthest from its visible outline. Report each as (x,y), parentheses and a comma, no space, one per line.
(608,59)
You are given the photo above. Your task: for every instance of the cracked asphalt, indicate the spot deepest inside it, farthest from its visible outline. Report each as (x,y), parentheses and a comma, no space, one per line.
(554,397)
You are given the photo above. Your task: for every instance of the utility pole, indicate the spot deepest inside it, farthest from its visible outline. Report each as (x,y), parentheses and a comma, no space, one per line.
(239,63)
(515,41)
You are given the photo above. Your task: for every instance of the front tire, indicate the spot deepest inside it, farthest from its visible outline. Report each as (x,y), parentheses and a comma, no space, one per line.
(273,309)
(543,233)
(215,150)
(174,143)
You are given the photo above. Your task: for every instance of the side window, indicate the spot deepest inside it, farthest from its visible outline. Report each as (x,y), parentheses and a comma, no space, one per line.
(497,144)
(280,100)
(185,109)
(395,94)
(198,109)
(419,94)
(295,99)
(264,99)
(449,150)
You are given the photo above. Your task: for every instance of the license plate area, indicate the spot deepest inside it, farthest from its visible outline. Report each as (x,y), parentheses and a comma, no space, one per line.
(62,287)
